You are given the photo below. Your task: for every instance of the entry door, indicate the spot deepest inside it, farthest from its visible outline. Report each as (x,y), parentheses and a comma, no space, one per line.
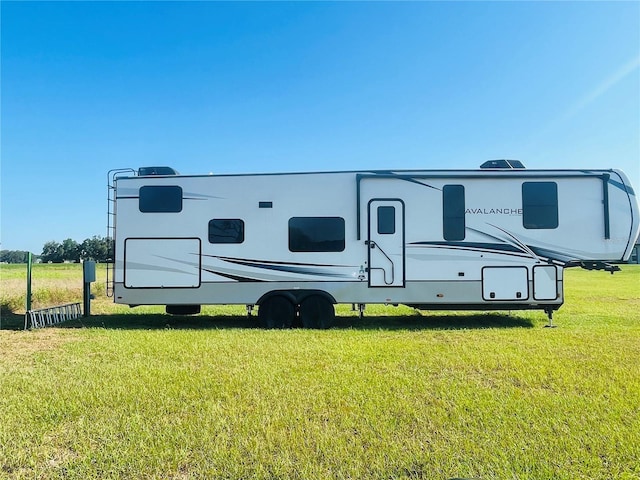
(386,243)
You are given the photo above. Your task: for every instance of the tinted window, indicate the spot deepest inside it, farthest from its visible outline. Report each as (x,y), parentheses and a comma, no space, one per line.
(316,234)
(386,220)
(222,230)
(453,221)
(540,205)
(162,198)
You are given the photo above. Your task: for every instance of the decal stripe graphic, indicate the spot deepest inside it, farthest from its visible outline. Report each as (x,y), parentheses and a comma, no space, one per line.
(273,262)
(499,248)
(285,268)
(320,270)
(232,277)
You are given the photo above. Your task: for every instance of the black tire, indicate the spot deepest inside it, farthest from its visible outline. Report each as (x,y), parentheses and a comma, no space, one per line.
(316,311)
(276,312)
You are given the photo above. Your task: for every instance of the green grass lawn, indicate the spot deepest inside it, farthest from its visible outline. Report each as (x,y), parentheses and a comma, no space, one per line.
(400,394)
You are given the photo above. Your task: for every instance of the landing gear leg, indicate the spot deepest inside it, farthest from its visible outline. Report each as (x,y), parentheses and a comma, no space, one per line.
(250,310)
(549,312)
(361,307)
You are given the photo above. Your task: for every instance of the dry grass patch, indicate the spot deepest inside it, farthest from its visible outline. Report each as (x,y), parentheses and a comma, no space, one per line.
(18,347)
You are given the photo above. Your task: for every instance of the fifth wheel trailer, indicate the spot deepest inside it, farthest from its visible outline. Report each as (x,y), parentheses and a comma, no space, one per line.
(295,244)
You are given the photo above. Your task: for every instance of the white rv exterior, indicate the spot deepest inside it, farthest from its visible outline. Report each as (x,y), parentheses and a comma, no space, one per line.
(295,244)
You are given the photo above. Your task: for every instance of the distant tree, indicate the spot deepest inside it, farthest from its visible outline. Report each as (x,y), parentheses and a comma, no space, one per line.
(70,250)
(52,252)
(97,248)
(14,256)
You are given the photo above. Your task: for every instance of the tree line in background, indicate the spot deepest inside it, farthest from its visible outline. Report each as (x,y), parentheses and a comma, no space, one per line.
(95,248)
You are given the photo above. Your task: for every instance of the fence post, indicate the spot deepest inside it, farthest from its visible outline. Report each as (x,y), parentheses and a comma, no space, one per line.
(28,300)
(29,266)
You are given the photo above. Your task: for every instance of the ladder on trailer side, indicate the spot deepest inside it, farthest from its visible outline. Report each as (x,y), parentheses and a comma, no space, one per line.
(112,176)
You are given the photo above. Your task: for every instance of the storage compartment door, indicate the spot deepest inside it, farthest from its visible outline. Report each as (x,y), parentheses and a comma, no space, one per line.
(162,263)
(505,283)
(545,278)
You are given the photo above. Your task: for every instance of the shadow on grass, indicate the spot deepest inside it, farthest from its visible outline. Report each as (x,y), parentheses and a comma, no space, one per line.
(435,322)
(10,320)
(160,321)
(203,322)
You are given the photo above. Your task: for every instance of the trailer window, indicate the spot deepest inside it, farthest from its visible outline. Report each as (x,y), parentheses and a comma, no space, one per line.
(386,220)
(540,205)
(453,207)
(226,230)
(316,234)
(160,199)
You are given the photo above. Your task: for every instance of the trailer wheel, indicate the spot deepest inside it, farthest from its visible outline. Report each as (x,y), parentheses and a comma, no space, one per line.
(316,311)
(276,312)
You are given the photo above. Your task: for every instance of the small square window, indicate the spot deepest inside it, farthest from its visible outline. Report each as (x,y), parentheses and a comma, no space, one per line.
(226,230)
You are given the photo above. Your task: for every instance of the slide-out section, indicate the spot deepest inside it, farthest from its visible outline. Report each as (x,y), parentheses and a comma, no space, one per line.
(162,263)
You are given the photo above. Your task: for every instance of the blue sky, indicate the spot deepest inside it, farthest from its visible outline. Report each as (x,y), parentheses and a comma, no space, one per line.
(265,87)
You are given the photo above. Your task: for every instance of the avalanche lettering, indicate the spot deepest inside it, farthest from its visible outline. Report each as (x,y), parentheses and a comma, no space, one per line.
(494,211)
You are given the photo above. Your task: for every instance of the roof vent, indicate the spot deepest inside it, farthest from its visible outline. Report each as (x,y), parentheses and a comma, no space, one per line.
(502,164)
(146,171)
